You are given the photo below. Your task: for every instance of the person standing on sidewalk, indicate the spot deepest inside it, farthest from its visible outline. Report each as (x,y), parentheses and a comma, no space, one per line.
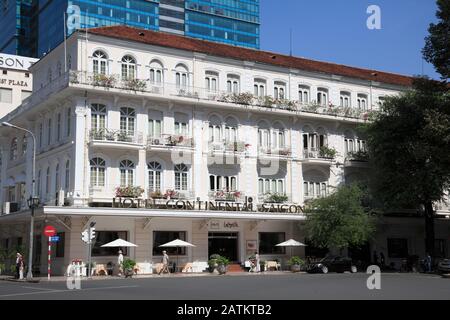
(165,262)
(19,263)
(120,262)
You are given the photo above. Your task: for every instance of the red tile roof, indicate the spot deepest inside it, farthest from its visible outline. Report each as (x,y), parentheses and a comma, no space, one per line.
(223,50)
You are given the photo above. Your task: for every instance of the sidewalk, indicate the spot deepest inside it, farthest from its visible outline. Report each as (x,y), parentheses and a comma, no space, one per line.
(150,276)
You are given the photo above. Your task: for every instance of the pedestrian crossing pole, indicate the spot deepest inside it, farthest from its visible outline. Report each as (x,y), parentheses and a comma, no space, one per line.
(49,270)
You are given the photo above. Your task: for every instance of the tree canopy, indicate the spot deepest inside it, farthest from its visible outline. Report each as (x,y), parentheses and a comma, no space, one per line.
(437,48)
(409,146)
(339,220)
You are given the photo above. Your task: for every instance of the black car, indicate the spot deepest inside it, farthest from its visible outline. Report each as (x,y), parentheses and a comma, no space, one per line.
(332,264)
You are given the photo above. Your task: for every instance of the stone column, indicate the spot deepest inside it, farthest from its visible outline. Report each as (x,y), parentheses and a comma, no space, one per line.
(79,153)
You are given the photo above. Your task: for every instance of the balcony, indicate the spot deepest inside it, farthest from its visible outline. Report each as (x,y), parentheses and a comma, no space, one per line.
(164,90)
(324,155)
(227,196)
(115,139)
(227,147)
(170,142)
(275,198)
(357,159)
(268,152)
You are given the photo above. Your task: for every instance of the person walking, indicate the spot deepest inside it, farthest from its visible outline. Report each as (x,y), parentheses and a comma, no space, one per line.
(19,262)
(382,260)
(165,262)
(21,267)
(120,262)
(428,262)
(257,261)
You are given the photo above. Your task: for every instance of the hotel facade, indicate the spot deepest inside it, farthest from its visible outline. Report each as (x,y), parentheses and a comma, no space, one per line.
(156,137)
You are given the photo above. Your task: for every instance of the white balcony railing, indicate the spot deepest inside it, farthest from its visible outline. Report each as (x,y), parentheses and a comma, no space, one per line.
(109,135)
(170,141)
(269,151)
(228,146)
(232,196)
(169,89)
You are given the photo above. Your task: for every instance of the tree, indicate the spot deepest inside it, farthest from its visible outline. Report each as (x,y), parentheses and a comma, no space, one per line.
(437,48)
(339,220)
(409,148)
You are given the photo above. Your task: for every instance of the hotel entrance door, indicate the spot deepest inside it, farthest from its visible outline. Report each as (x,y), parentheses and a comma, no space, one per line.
(224,244)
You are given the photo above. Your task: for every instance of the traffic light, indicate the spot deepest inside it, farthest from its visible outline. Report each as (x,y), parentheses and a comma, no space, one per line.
(85,236)
(92,233)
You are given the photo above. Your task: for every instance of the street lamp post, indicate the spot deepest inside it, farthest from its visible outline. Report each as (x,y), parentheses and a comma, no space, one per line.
(33,202)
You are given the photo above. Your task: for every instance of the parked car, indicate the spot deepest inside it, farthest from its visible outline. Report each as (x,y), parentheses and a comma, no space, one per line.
(444,265)
(332,264)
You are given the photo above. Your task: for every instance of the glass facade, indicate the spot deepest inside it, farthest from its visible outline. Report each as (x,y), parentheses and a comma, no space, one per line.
(234,22)
(35,27)
(16,25)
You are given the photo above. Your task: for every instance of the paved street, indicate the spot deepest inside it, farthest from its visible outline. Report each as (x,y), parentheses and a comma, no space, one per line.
(239,287)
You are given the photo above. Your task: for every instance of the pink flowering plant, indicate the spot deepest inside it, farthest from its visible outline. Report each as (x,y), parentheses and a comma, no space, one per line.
(129,192)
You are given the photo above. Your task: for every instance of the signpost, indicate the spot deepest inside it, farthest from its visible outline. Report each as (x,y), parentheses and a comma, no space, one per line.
(50,232)
(87,236)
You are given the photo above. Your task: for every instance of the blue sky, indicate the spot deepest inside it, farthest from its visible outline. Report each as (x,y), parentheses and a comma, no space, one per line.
(336,31)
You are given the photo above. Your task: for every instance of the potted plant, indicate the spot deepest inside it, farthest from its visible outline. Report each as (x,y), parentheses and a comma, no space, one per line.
(222,263)
(276,198)
(129,192)
(156,194)
(262,266)
(296,264)
(124,136)
(212,262)
(110,135)
(128,267)
(327,152)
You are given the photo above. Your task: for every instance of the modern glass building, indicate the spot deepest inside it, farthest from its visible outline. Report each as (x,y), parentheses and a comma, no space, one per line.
(17,27)
(34,27)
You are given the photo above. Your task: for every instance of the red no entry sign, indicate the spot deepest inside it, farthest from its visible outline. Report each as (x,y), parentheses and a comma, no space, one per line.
(49,231)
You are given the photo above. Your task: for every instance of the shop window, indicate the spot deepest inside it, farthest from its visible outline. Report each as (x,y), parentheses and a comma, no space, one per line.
(104,237)
(163,237)
(397,248)
(268,242)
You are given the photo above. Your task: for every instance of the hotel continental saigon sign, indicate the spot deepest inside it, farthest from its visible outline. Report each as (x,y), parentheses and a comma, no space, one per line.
(198,205)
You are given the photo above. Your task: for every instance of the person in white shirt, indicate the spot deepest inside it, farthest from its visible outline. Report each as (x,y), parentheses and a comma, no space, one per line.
(120,262)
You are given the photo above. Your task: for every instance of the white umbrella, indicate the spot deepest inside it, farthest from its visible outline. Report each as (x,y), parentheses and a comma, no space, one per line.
(291,243)
(177,244)
(119,243)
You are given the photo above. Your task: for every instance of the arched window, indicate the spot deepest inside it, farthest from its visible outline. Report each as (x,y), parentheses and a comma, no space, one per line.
(98,117)
(47,181)
(345,99)
(212,81)
(271,186)
(69,121)
(233,85)
(127,169)
(100,62)
(215,129)
(303,94)
(57,184)
(222,183)
(362,102)
(14,150)
(127,120)
(128,68)
(24,145)
(154,176)
(259,88)
(98,169)
(231,130)
(181,177)
(67,176)
(156,73)
(181,77)
(313,141)
(315,185)
(279,90)
(322,96)
(263,136)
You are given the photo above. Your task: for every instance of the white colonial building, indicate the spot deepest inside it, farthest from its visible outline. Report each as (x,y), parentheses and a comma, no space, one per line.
(157,137)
